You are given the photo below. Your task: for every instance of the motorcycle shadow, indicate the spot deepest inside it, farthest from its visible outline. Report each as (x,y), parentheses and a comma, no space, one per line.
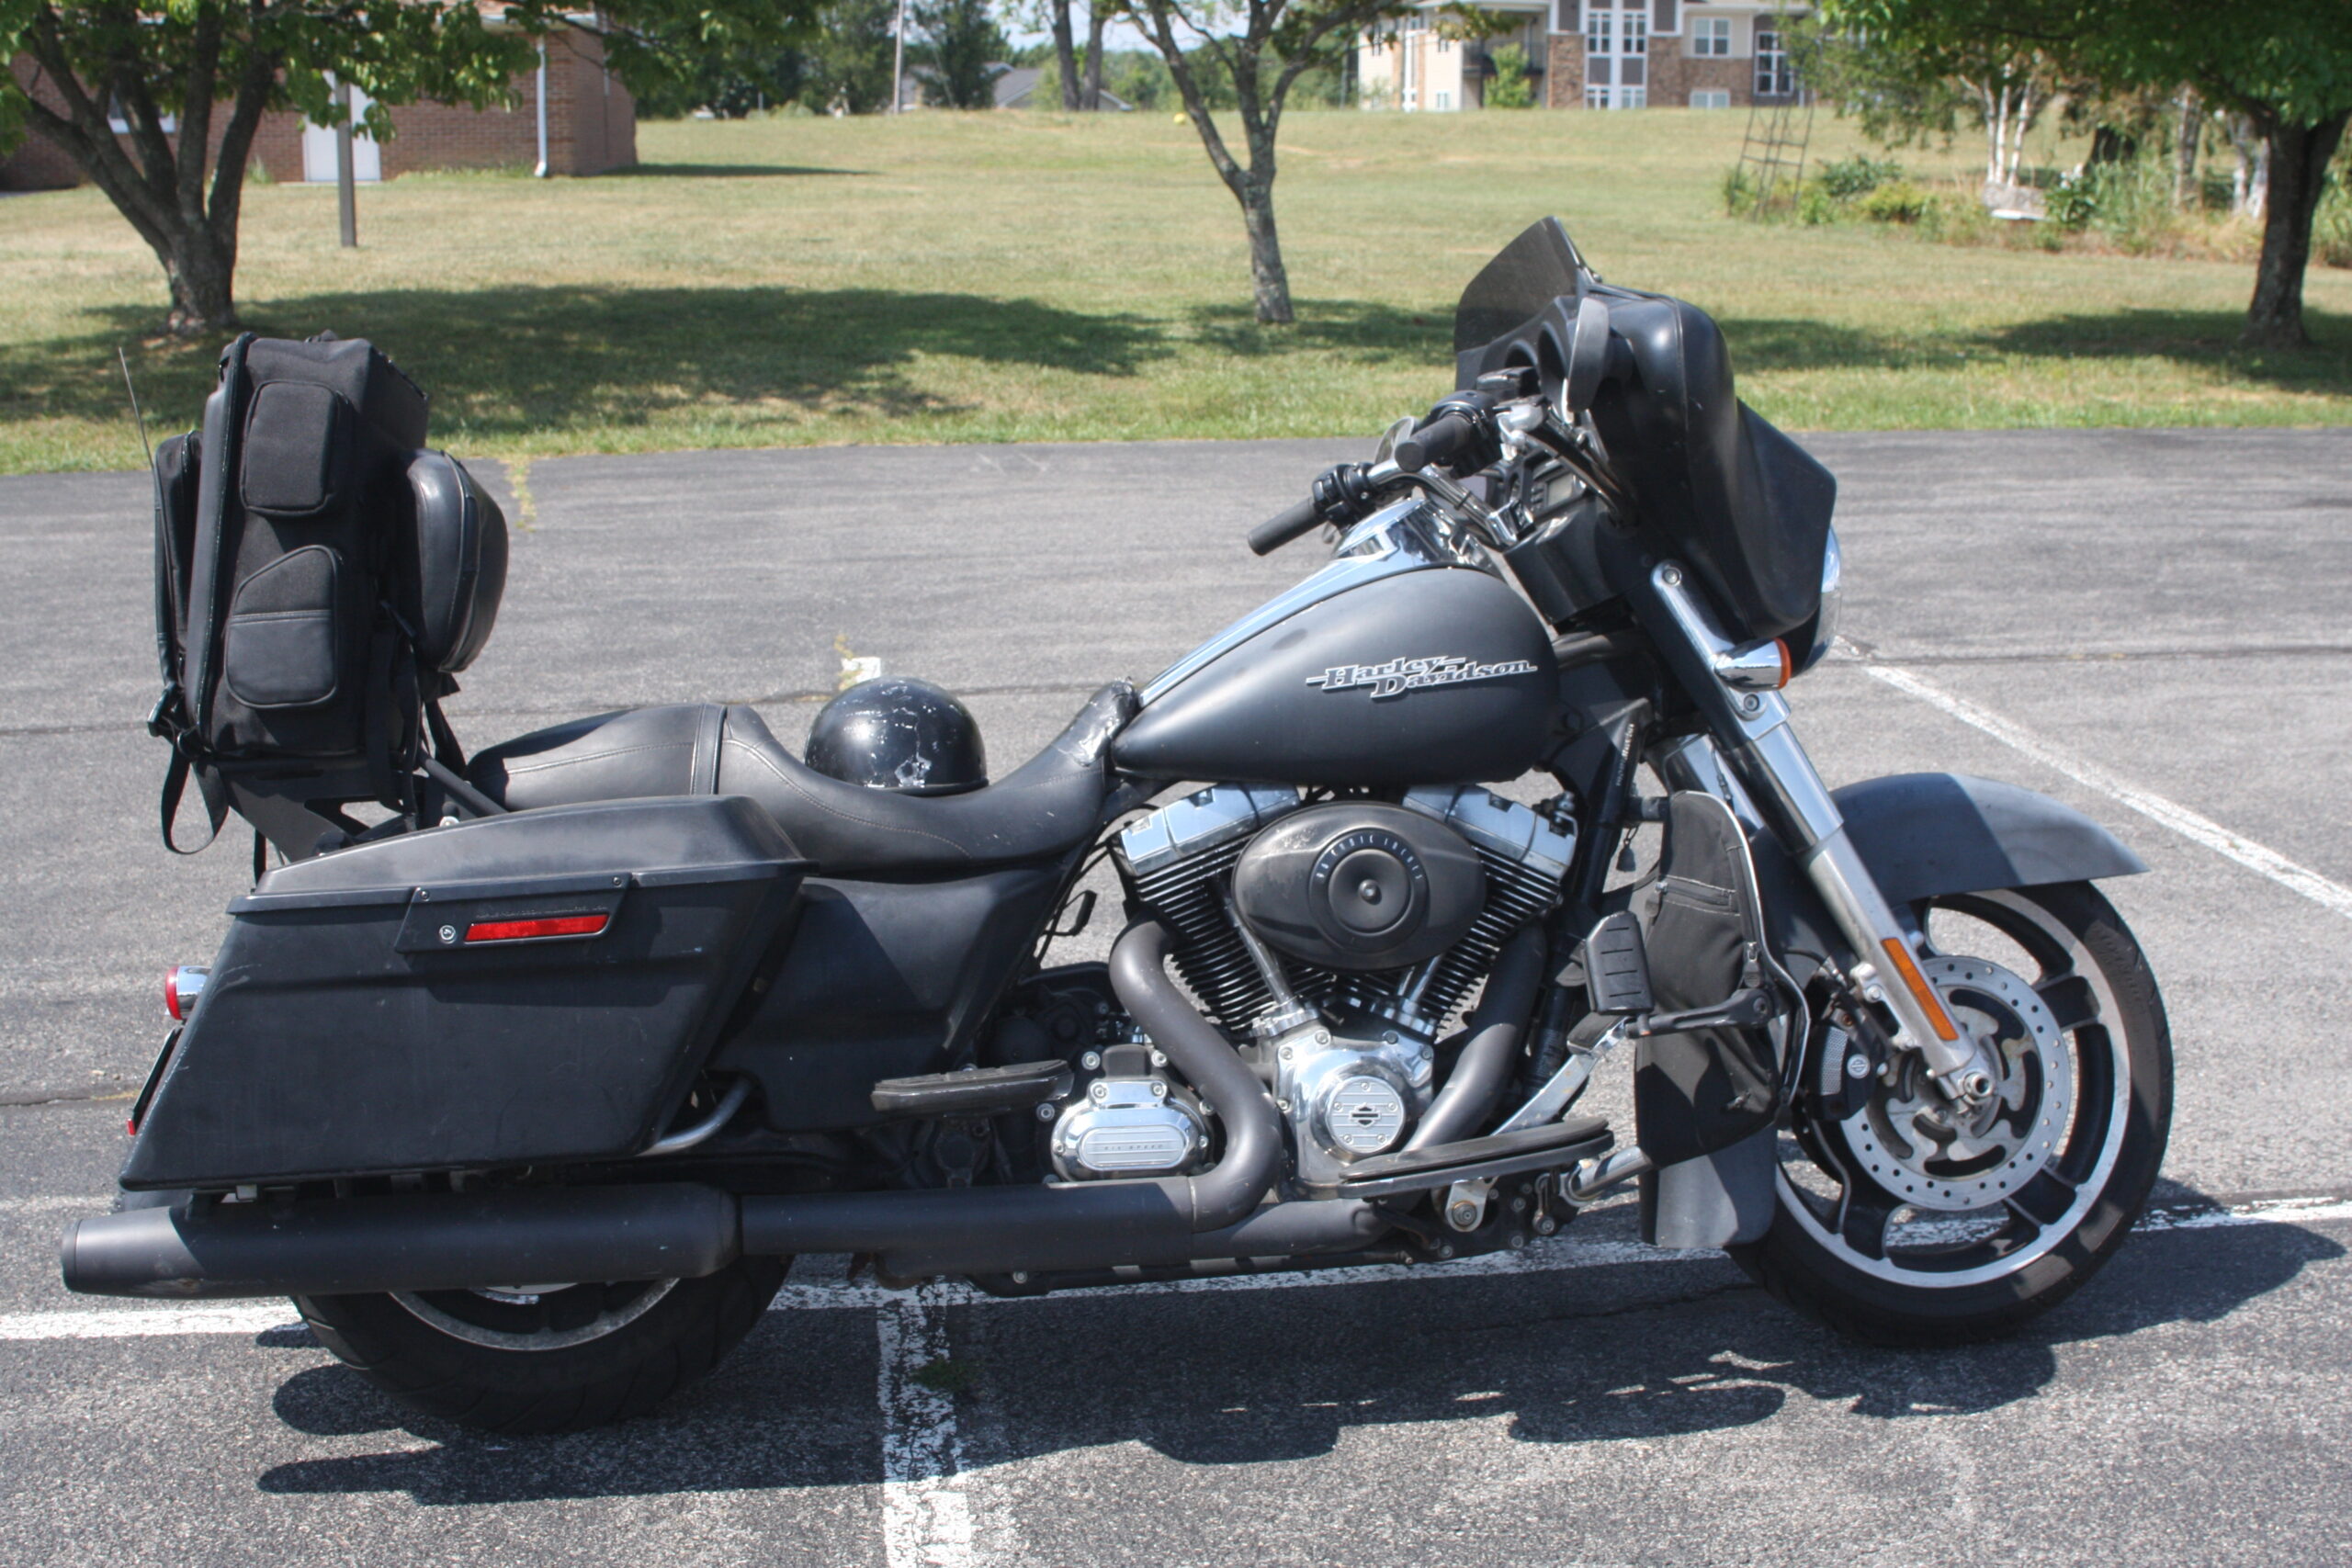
(1611,1353)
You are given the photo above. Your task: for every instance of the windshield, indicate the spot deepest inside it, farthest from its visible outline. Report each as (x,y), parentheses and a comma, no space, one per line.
(1526,276)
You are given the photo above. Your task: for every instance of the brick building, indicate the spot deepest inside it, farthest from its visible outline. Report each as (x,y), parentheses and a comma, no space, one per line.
(591,126)
(1617,55)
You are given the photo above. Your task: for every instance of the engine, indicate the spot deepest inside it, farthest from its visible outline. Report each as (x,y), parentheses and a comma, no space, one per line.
(1337,940)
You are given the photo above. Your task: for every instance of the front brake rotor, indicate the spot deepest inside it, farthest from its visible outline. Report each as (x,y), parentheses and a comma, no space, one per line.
(1932,1153)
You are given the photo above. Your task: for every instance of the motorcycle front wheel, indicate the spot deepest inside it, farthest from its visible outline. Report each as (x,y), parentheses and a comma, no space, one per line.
(552,1358)
(1905,1221)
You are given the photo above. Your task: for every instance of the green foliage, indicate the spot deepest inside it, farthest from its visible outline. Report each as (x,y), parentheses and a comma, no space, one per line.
(1897,201)
(849,64)
(1847,179)
(1510,87)
(960,43)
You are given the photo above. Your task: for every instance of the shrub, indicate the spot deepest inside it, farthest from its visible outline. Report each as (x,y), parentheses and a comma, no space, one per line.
(2072,202)
(1739,192)
(1510,87)
(1900,201)
(1856,177)
(1817,204)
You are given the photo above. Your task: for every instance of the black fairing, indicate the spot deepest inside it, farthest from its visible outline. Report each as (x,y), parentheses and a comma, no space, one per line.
(1263,712)
(1716,486)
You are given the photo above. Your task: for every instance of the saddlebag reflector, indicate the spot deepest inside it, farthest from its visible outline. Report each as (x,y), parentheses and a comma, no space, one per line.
(519,989)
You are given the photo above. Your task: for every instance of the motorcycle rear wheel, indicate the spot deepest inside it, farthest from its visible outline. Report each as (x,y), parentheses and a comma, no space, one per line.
(545,1359)
(1893,1239)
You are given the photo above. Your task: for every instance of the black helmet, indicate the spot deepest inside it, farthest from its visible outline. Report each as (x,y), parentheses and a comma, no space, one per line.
(897,733)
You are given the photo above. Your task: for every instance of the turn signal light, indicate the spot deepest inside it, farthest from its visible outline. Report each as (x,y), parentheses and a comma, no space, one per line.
(183,983)
(1929,1003)
(536,930)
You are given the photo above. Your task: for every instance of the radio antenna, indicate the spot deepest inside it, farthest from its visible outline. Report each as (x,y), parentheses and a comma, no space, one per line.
(138,417)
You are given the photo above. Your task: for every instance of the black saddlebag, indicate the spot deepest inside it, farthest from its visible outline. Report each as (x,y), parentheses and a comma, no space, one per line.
(520,989)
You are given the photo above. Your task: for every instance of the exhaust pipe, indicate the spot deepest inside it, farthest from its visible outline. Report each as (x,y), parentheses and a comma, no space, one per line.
(678,1230)
(442,1242)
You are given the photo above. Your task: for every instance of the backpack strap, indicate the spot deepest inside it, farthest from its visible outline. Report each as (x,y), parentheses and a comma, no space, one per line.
(209,785)
(445,749)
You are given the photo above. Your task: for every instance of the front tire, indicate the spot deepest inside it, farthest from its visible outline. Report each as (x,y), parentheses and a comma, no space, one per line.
(553,1359)
(1897,1239)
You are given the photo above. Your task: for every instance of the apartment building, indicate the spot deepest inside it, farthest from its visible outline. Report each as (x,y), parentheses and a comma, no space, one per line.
(1596,54)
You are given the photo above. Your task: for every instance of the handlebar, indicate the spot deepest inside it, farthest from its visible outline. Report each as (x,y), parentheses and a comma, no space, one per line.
(1279,530)
(1436,445)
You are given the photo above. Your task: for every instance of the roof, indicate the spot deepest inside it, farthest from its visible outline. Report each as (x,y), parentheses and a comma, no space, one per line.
(1016,83)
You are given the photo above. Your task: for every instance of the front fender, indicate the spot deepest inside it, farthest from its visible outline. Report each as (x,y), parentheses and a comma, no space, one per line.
(1926,834)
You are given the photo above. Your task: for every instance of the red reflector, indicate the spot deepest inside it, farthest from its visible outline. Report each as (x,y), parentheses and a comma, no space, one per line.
(536,930)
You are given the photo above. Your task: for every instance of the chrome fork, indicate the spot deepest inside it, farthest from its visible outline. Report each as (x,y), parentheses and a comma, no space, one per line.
(1764,773)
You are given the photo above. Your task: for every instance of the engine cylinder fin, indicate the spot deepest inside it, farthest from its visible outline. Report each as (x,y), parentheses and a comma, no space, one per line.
(1515,895)
(1216,966)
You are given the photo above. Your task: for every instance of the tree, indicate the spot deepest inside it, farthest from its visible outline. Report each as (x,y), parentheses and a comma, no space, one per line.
(192,80)
(1261,48)
(962,46)
(2285,65)
(1913,84)
(1509,89)
(850,63)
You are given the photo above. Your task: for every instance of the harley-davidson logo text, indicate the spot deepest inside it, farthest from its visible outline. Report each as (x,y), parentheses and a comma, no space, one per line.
(1400,675)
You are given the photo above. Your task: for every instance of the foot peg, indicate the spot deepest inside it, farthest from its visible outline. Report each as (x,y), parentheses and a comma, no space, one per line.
(977,1091)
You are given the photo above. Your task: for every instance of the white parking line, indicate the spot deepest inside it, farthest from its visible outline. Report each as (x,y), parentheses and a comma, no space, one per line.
(926,1518)
(1544,1258)
(2202,830)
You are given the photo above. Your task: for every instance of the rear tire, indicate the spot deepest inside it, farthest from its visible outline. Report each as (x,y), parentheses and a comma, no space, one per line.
(558,1361)
(1931,1252)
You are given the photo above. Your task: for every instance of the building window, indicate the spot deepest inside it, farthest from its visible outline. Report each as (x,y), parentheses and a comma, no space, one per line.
(1774,79)
(1445,45)
(1444,100)
(1711,98)
(1616,55)
(1711,36)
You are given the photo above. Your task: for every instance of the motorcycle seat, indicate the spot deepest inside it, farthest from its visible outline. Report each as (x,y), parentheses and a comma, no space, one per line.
(1051,804)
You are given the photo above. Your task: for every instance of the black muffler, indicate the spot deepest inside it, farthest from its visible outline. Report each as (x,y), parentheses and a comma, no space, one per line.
(442,1241)
(677,1230)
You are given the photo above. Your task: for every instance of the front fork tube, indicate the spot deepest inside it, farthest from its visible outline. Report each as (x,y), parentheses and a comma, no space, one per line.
(1756,747)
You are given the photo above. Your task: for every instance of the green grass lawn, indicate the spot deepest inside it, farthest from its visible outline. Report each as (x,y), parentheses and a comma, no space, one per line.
(1018,278)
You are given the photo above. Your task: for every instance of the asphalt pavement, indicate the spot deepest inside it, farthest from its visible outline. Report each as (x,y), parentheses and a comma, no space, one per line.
(2151,625)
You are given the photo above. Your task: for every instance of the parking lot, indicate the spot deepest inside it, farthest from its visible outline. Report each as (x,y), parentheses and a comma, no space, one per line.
(2153,627)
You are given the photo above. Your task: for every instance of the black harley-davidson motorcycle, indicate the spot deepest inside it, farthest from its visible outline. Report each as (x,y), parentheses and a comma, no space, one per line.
(529,1089)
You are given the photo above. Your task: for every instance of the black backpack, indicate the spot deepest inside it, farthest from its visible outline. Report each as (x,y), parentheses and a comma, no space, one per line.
(320,578)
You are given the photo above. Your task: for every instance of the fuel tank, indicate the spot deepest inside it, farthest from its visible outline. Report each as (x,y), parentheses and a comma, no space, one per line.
(1427,675)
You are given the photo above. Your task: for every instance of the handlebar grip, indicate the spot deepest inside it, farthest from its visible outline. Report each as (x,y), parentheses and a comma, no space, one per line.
(1279,530)
(1436,444)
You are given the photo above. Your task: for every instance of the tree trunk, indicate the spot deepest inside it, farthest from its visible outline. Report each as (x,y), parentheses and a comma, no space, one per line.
(1269,285)
(2298,157)
(1089,87)
(201,277)
(2192,132)
(1064,51)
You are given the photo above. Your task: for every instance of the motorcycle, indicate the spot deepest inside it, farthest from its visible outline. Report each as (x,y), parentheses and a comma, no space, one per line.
(529,1094)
